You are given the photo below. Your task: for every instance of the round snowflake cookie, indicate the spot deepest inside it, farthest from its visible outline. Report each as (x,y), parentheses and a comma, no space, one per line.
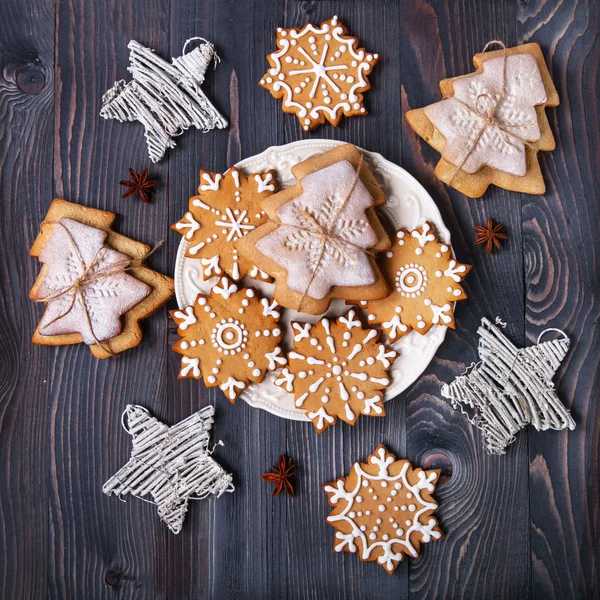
(383,509)
(424,279)
(229,338)
(337,371)
(319,72)
(226,209)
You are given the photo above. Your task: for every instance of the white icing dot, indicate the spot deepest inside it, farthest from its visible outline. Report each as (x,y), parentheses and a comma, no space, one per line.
(381,508)
(211,379)
(359,499)
(256,372)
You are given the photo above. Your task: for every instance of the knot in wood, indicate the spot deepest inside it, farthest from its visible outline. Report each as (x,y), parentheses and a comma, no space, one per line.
(31,79)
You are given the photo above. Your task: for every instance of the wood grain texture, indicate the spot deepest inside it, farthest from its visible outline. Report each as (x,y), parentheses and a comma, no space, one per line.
(524,525)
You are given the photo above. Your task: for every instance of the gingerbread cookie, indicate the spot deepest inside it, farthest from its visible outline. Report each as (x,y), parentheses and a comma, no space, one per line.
(229,338)
(383,510)
(425,282)
(492,123)
(320,73)
(322,234)
(93,282)
(337,371)
(227,208)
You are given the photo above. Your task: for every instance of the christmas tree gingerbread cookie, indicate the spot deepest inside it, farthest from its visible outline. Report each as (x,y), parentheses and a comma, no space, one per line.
(226,209)
(337,371)
(425,281)
(320,73)
(492,123)
(93,282)
(230,338)
(383,510)
(322,234)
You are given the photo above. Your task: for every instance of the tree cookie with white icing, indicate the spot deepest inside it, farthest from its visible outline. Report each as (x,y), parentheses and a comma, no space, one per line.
(337,371)
(320,73)
(322,234)
(226,209)
(93,281)
(492,123)
(230,338)
(425,281)
(383,510)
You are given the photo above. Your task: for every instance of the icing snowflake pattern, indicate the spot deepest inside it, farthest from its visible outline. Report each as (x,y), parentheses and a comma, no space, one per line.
(383,509)
(104,299)
(230,338)
(226,208)
(323,229)
(319,72)
(337,371)
(492,141)
(425,284)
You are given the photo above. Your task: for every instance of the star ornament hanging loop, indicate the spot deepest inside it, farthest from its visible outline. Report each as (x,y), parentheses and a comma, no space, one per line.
(511,387)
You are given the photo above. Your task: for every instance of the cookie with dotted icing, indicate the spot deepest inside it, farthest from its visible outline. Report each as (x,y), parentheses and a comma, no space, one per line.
(383,510)
(491,124)
(425,281)
(322,234)
(226,208)
(229,338)
(93,281)
(337,370)
(320,73)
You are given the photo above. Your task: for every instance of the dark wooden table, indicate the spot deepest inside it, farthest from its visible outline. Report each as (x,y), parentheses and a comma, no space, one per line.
(522,525)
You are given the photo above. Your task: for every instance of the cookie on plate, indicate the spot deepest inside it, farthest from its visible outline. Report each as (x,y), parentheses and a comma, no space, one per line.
(337,370)
(93,281)
(226,209)
(383,510)
(322,234)
(492,123)
(425,281)
(229,337)
(320,73)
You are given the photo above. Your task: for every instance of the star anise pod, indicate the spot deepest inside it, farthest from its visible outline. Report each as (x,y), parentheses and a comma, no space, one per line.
(281,475)
(139,184)
(490,235)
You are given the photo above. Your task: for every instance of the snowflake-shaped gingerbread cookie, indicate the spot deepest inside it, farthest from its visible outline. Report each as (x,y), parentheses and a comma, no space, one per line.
(230,338)
(383,510)
(319,72)
(337,371)
(425,281)
(226,209)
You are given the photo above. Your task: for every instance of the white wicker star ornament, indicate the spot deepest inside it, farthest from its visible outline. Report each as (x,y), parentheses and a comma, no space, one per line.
(511,387)
(171,464)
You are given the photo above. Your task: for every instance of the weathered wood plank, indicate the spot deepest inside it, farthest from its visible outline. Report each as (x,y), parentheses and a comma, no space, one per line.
(561,267)
(26,129)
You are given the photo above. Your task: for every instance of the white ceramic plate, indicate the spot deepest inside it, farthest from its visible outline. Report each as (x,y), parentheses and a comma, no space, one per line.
(408,205)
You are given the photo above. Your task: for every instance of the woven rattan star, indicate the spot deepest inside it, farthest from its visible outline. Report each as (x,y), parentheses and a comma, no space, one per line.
(490,235)
(281,474)
(139,183)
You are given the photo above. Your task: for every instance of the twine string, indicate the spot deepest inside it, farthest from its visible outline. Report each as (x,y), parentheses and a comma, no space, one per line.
(489,115)
(90,274)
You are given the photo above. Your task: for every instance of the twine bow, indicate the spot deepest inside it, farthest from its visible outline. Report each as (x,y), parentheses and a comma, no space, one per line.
(486,108)
(89,274)
(325,234)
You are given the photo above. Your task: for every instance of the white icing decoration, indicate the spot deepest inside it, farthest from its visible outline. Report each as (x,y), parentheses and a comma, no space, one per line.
(230,386)
(286,380)
(269,309)
(303,330)
(453,269)
(188,317)
(211,184)
(383,357)
(235,224)
(191,364)
(422,236)
(395,326)
(275,358)
(263,183)
(350,320)
(188,222)
(211,266)
(226,290)
(321,417)
(439,312)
